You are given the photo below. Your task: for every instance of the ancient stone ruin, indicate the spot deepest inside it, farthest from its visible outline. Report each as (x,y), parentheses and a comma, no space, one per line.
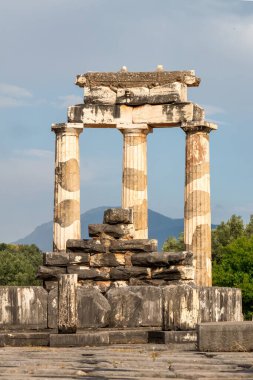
(115,287)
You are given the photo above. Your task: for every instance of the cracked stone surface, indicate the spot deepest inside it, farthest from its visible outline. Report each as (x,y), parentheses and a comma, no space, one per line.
(122,362)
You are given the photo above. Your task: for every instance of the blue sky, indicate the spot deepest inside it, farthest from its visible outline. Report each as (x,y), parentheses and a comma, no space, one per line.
(46,43)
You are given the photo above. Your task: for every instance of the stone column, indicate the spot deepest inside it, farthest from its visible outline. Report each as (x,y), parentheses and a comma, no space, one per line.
(67,184)
(197,209)
(134,179)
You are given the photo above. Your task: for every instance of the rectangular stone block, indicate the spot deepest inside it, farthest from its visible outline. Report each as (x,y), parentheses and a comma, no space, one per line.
(137,79)
(128,337)
(121,273)
(55,258)
(99,95)
(79,258)
(50,272)
(225,336)
(84,245)
(117,231)
(135,245)
(87,273)
(67,303)
(83,339)
(24,339)
(23,307)
(135,306)
(92,115)
(107,260)
(167,337)
(118,215)
(173,273)
(160,259)
(163,114)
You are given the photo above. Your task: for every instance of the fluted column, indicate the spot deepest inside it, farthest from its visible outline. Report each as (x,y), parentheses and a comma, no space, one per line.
(197,209)
(67,185)
(134,178)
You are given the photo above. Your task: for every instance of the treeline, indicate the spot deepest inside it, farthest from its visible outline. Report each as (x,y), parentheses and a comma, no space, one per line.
(19,264)
(232,257)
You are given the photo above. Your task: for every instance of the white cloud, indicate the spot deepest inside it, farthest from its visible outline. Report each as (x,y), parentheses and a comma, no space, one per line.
(211,110)
(14,96)
(67,100)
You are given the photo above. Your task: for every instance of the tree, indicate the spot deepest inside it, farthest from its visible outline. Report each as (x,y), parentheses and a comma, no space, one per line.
(174,244)
(235,269)
(19,264)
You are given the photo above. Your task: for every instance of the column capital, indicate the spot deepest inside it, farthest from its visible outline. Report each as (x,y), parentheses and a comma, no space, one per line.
(198,126)
(71,128)
(134,129)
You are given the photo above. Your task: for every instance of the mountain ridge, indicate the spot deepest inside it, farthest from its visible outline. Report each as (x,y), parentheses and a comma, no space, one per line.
(160,228)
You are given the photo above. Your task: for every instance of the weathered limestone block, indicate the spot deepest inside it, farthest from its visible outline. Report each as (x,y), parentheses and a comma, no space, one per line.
(56,258)
(93,309)
(166,113)
(52,272)
(136,245)
(118,216)
(89,246)
(87,273)
(99,95)
(79,258)
(173,273)
(53,308)
(156,115)
(225,337)
(137,79)
(220,304)
(185,306)
(181,307)
(87,338)
(169,93)
(159,259)
(107,260)
(117,231)
(67,303)
(135,306)
(23,307)
(122,273)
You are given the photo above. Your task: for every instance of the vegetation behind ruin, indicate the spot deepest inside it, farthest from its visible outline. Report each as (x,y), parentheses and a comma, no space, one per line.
(232,257)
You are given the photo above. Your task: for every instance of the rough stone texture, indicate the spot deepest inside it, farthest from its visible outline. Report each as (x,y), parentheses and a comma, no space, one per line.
(156,116)
(87,273)
(53,308)
(185,306)
(55,258)
(79,340)
(117,231)
(89,246)
(121,273)
(93,309)
(135,306)
(79,258)
(137,79)
(50,272)
(167,337)
(23,339)
(67,303)
(118,216)
(107,259)
(173,273)
(160,259)
(225,336)
(23,307)
(67,185)
(128,361)
(136,245)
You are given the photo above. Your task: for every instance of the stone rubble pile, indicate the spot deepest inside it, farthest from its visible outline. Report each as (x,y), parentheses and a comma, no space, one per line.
(113,258)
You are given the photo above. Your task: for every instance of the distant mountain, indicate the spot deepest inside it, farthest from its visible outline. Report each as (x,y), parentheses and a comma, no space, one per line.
(160,228)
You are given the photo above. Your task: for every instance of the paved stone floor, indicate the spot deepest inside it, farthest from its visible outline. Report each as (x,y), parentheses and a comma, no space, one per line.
(122,362)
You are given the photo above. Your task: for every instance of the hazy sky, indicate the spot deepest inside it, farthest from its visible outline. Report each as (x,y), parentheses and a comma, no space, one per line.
(45,43)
